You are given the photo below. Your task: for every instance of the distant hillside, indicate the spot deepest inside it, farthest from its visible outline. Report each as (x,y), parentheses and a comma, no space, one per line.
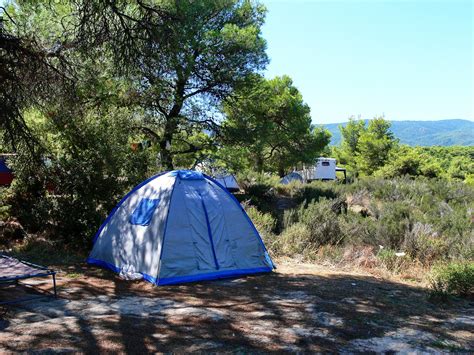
(423,133)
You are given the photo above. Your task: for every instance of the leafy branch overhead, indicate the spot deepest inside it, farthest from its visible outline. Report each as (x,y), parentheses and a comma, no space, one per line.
(31,74)
(181,58)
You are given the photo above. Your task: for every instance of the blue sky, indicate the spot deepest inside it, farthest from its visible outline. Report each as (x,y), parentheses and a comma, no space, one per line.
(408,60)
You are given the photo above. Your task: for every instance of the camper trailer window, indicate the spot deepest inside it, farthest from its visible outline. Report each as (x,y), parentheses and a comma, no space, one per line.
(325,163)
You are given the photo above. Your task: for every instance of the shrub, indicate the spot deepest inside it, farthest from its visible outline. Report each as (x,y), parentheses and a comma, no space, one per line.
(317,190)
(262,196)
(406,164)
(360,256)
(429,219)
(456,278)
(4,204)
(423,243)
(358,230)
(461,167)
(291,190)
(309,228)
(393,223)
(46,252)
(469,180)
(392,261)
(90,168)
(264,222)
(250,178)
(296,241)
(431,170)
(289,217)
(322,223)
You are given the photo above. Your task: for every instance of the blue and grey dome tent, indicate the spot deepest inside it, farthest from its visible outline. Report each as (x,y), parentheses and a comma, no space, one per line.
(180,226)
(293,176)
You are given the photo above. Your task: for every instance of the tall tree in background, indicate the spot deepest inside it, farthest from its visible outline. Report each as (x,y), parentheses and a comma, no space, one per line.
(351,132)
(374,146)
(183,58)
(268,121)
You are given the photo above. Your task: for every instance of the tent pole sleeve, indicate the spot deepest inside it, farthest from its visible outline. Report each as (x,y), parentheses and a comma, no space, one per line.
(209,232)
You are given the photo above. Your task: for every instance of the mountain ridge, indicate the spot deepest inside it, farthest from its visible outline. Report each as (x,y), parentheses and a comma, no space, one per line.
(446,132)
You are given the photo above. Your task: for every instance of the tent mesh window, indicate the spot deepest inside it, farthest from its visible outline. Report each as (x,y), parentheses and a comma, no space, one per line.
(144,212)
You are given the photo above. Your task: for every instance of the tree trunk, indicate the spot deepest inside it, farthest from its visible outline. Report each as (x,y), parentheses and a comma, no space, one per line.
(165,155)
(281,171)
(172,124)
(165,144)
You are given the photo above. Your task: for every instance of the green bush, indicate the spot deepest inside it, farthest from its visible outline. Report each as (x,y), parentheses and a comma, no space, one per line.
(87,171)
(390,260)
(4,204)
(461,167)
(250,178)
(317,190)
(308,228)
(456,278)
(296,241)
(394,222)
(428,219)
(290,190)
(322,223)
(264,222)
(431,170)
(424,244)
(47,252)
(358,230)
(469,180)
(405,164)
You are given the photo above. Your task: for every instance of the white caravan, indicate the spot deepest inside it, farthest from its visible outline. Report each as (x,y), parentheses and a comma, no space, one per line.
(324,169)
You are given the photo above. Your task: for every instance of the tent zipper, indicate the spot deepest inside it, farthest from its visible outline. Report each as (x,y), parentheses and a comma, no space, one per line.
(209,232)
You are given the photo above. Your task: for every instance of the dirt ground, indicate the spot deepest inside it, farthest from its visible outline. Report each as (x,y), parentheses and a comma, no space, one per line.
(300,307)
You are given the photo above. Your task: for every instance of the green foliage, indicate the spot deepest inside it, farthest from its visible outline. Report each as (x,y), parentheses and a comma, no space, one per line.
(470,180)
(90,166)
(317,190)
(364,149)
(321,226)
(455,278)
(373,150)
(402,162)
(4,205)
(351,134)
(270,124)
(347,152)
(390,260)
(374,146)
(395,219)
(296,241)
(461,167)
(426,219)
(47,252)
(264,222)
(432,162)
(183,58)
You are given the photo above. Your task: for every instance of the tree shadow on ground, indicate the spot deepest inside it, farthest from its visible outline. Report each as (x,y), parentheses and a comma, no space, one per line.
(270,312)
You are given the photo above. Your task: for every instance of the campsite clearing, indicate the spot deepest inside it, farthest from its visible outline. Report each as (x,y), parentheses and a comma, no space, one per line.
(299,307)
